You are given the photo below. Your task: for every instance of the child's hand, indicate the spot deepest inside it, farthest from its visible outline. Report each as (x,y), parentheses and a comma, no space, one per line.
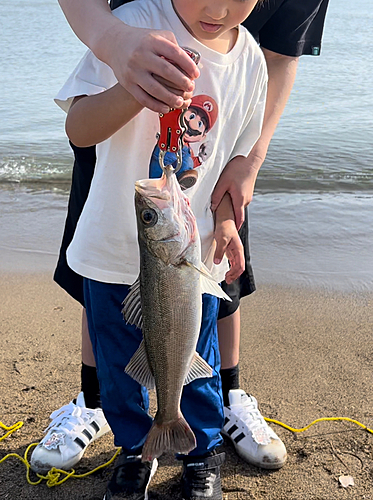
(187,96)
(228,242)
(238,179)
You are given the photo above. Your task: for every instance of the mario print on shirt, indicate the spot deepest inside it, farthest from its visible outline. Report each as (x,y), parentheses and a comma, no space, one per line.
(199,119)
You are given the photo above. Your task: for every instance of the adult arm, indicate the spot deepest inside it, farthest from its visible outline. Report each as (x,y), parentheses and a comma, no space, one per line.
(93,119)
(136,55)
(239,176)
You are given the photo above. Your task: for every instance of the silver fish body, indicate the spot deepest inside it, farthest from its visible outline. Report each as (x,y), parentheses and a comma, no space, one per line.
(169,292)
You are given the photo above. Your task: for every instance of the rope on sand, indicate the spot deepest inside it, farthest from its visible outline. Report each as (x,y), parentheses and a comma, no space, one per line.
(324,419)
(53,476)
(10,429)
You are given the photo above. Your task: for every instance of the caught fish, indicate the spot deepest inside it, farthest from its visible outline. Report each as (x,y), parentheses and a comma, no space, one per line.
(166,303)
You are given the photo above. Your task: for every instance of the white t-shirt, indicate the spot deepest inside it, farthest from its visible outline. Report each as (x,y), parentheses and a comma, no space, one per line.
(227,110)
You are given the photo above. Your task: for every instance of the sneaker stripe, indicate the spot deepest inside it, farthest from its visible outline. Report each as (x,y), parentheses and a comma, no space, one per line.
(80,443)
(226,420)
(232,429)
(87,434)
(95,426)
(238,438)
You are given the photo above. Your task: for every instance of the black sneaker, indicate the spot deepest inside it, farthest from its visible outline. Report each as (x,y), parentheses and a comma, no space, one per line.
(201,477)
(131,478)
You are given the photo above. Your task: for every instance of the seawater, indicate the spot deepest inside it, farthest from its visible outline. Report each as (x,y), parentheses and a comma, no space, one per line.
(311,218)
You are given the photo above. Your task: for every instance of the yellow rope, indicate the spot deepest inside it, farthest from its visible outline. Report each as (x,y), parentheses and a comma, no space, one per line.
(10,429)
(324,419)
(52,478)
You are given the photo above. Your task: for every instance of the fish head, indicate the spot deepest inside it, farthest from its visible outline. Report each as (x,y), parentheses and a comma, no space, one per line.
(165,221)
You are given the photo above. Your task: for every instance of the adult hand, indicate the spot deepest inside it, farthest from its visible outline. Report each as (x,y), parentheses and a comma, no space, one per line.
(187,96)
(152,67)
(238,179)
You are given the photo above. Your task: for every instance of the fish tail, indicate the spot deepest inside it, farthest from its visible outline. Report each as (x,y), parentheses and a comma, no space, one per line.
(175,436)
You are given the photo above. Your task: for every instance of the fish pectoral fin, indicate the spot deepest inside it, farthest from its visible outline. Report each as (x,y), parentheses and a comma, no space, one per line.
(132,305)
(199,368)
(139,369)
(213,288)
(208,284)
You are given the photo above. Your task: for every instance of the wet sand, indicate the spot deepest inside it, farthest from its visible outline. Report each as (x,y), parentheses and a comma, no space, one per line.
(305,354)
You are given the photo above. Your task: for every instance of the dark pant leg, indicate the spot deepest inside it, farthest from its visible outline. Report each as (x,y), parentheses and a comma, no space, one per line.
(83,169)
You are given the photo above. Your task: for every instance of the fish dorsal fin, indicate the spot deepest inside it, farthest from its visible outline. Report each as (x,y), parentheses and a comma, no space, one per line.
(139,369)
(208,284)
(132,305)
(199,368)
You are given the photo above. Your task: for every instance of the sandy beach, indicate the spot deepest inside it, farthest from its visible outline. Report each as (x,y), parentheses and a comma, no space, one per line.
(305,354)
(307,348)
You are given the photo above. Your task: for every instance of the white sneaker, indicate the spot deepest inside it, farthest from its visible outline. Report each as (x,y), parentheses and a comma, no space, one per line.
(252,437)
(72,429)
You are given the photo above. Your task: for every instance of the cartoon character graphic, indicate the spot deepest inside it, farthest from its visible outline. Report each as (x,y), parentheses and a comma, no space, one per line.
(199,119)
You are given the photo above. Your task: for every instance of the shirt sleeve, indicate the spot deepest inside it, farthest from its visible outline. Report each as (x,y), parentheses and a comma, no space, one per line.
(114,4)
(90,77)
(289,27)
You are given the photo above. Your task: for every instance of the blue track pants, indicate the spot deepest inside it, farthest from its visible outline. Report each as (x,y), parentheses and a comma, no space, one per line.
(124,401)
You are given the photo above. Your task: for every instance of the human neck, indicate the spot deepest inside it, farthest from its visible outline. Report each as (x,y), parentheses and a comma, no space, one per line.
(224,43)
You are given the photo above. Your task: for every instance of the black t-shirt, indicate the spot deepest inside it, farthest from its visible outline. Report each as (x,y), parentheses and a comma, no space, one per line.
(289,27)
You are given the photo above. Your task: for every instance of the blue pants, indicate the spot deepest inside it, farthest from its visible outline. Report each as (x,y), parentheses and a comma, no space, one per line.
(124,401)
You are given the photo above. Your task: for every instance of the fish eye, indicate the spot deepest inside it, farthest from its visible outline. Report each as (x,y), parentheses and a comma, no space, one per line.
(149,217)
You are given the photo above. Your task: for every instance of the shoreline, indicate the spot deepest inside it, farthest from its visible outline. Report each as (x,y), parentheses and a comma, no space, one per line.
(304,356)
(295,239)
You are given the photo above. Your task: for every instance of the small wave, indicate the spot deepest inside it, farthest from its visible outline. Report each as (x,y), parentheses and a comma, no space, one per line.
(282,173)
(289,172)
(36,174)
(328,184)
(31,169)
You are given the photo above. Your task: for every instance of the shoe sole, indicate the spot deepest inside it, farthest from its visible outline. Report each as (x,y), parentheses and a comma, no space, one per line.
(104,430)
(251,460)
(42,468)
(261,465)
(152,472)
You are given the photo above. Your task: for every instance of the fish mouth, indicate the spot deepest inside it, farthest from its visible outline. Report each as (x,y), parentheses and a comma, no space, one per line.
(145,193)
(152,189)
(169,239)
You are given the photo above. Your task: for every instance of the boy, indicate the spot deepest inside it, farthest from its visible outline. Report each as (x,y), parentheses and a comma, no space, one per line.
(104,249)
